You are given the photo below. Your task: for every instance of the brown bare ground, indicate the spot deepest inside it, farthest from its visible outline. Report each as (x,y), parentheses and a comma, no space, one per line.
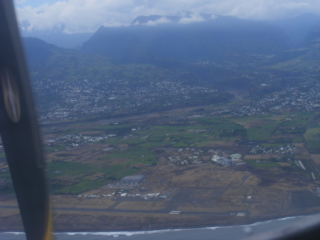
(216,207)
(95,203)
(316,158)
(8,201)
(64,201)
(260,156)
(252,123)
(8,212)
(284,164)
(152,206)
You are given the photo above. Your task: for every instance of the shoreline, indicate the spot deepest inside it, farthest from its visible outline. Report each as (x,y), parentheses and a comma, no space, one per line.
(130,232)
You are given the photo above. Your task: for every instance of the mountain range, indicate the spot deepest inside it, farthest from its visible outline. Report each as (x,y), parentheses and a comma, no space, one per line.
(218,39)
(165,42)
(143,61)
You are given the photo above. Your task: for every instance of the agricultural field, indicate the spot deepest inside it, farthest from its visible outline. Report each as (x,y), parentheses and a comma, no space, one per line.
(87,155)
(86,161)
(312,136)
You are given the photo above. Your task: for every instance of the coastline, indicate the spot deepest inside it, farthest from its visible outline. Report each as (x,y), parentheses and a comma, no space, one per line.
(161,231)
(130,231)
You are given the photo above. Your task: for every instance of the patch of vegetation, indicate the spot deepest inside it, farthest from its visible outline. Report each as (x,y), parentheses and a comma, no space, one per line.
(149,145)
(2,155)
(79,174)
(59,168)
(312,137)
(297,125)
(114,129)
(262,132)
(135,156)
(82,186)
(127,172)
(298,139)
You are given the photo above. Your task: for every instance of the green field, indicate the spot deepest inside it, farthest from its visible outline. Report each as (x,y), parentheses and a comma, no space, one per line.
(312,137)
(86,184)
(135,150)
(80,174)
(262,132)
(135,155)
(205,130)
(139,153)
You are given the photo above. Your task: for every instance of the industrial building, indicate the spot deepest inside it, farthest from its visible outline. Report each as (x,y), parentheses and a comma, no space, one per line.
(133,178)
(235,157)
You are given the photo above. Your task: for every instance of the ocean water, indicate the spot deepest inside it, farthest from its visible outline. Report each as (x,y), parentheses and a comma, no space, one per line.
(216,233)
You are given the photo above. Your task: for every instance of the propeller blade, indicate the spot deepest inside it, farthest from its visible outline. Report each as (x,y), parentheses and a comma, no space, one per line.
(20,132)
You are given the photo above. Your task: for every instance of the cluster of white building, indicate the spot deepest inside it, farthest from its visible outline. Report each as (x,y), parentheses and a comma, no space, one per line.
(75,140)
(233,159)
(287,150)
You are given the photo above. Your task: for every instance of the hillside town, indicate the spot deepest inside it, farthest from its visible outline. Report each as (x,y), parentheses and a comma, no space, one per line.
(58,101)
(304,97)
(85,99)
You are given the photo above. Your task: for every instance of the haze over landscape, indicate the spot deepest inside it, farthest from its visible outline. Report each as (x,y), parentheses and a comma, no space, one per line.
(70,23)
(170,114)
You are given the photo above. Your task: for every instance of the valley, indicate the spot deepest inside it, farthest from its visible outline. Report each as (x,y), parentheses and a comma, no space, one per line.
(219,135)
(183,183)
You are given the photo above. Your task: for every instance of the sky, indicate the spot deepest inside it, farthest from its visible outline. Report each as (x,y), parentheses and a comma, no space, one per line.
(81,16)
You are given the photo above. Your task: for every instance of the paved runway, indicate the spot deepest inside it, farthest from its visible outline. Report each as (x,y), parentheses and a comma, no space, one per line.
(163,211)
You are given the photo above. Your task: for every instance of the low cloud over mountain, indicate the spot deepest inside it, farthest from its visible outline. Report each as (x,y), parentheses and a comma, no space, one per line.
(79,16)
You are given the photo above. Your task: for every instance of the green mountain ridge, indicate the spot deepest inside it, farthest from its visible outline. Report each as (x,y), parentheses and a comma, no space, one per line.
(305,59)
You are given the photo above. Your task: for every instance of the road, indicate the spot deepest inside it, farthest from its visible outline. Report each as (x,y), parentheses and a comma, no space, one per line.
(164,211)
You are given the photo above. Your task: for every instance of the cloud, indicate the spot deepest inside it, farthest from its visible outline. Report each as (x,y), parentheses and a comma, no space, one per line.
(72,16)
(19,1)
(76,15)
(114,24)
(191,19)
(162,20)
